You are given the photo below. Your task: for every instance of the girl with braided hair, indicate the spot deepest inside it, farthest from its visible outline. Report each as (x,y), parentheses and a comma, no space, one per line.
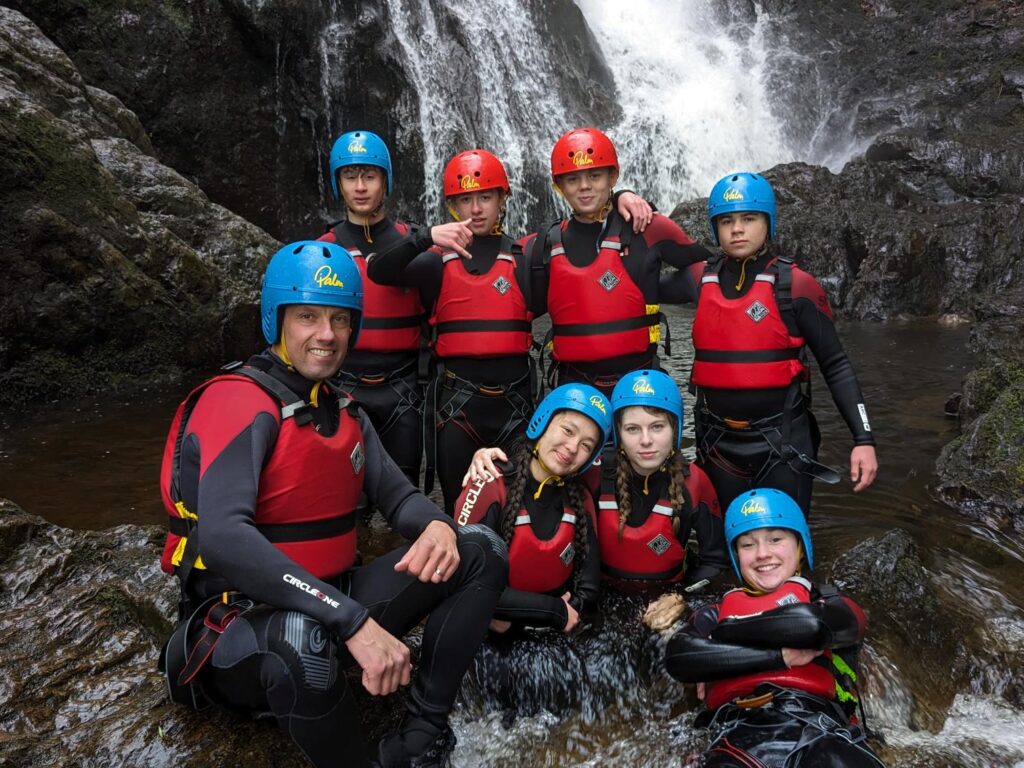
(652,498)
(539,505)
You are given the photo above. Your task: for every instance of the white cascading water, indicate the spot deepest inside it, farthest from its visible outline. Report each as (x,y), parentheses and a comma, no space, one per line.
(693,93)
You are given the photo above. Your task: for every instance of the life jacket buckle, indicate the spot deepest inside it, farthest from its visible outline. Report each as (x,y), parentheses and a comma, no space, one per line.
(755,702)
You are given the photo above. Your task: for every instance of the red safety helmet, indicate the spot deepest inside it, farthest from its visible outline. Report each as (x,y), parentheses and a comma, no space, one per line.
(474,170)
(583,149)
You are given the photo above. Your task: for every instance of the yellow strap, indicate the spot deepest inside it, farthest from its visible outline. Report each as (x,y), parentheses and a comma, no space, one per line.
(184,513)
(655,330)
(179,553)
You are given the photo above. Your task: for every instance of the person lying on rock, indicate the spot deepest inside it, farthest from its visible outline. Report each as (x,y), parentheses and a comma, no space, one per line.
(543,511)
(757,314)
(774,661)
(262,472)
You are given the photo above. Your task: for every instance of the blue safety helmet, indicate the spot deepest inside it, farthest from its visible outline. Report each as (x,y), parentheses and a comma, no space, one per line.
(741,192)
(310,272)
(359,148)
(581,398)
(765,508)
(653,389)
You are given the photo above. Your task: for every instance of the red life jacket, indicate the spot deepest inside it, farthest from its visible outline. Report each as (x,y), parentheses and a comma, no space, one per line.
(392,316)
(815,678)
(649,552)
(597,311)
(541,566)
(308,490)
(744,343)
(481,315)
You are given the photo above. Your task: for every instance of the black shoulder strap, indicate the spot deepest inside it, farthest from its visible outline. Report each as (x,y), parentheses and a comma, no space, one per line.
(333,224)
(784,287)
(552,238)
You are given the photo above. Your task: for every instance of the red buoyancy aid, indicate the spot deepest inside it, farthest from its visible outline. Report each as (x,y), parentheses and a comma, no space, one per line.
(392,316)
(536,565)
(649,552)
(743,343)
(597,311)
(814,678)
(481,315)
(308,490)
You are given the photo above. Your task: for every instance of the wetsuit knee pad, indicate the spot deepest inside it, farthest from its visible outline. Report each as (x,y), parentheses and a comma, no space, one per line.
(306,649)
(485,553)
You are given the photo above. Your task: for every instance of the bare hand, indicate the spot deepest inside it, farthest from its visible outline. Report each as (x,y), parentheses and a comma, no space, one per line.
(482,467)
(384,659)
(574,616)
(434,556)
(634,208)
(500,626)
(453,236)
(797,657)
(863,466)
(702,689)
(662,613)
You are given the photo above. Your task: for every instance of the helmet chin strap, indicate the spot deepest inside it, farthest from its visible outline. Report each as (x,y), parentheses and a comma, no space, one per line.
(281,350)
(551,476)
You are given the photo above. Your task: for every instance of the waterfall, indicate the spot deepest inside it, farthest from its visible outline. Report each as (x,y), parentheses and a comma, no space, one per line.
(696,94)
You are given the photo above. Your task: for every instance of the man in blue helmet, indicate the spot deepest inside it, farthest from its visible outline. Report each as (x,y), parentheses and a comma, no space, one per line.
(382,370)
(262,472)
(774,661)
(757,313)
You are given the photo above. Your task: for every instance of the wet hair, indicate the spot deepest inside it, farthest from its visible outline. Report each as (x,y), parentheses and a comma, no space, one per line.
(572,486)
(677,466)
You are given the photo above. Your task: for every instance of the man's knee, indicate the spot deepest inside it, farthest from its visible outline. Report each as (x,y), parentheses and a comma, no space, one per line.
(484,555)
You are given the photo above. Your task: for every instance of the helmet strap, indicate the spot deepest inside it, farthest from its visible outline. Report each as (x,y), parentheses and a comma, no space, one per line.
(281,351)
(551,476)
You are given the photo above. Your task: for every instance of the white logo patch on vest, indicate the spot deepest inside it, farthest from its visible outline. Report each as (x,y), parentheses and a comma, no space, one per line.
(567,554)
(659,544)
(501,285)
(358,458)
(757,311)
(608,280)
(787,599)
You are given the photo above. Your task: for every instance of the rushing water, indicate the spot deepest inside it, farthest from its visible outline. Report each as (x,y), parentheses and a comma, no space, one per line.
(95,464)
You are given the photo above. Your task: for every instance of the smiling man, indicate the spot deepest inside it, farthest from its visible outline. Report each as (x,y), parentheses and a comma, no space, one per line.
(262,472)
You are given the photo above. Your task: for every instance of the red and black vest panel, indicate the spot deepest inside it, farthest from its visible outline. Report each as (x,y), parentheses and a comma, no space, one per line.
(308,490)
(650,552)
(393,316)
(536,565)
(743,343)
(481,315)
(597,311)
(814,678)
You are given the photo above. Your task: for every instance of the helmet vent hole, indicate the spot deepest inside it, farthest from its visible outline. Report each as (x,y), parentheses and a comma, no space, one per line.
(590,150)
(476,173)
(327,254)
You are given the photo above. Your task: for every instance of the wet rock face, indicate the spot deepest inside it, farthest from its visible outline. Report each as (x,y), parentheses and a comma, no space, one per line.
(245,98)
(118,272)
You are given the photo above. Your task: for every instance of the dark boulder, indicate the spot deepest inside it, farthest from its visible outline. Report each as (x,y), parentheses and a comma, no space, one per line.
(118,272)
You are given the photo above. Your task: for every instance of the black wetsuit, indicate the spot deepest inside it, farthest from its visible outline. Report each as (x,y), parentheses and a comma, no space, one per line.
(285,656)
(739,459)
(386,384)
(476,401)
(662,242)
(776,727)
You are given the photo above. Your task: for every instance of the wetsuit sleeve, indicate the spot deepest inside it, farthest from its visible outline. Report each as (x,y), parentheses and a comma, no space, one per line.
(672,245)
(408,262)
(531,609)
(404,507)
(234,428)
(585,598)
(834,622)
(680,286)
(536,271)
(814,322)
(708,526)
(693,657)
